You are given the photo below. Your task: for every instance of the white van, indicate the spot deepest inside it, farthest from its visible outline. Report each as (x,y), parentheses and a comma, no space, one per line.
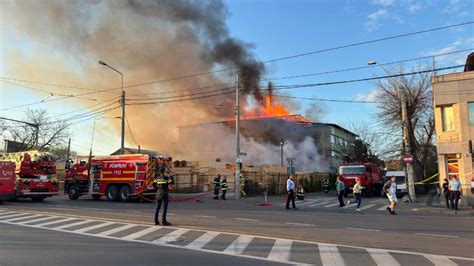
(402,187)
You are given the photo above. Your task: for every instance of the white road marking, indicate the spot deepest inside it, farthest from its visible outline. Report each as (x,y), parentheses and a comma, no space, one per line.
(97,226)
(116,230)
(304,203)
(367,206)
(239,245)
(383,208)
(201,241)
(317,204)
(440,260)
(171,237)
(382,257)
(204,216)
(281,250)
(363,229)
(20,218)
(330,255)
(55,221)
(236,248)
(37,220)
(6,213)
(423,234)
(245,219)
(331,205)
(15,214)
(141,233)
(301,224)
(71,225)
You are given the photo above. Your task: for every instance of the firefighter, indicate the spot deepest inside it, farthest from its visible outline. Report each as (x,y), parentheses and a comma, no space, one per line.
(242,186)
(163,184)
(224,187)
(217,186)
(300,193)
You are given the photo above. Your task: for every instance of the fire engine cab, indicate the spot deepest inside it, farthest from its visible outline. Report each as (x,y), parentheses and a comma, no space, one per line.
(370,177)
(7,181)
(120,177)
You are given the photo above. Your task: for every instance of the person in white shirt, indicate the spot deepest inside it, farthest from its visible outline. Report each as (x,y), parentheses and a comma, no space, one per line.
(290,188)
(390,188)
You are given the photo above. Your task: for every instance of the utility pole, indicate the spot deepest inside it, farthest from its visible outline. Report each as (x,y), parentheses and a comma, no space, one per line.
(68,148)
(282,143)
(122,142)
(406,144)
(238,161)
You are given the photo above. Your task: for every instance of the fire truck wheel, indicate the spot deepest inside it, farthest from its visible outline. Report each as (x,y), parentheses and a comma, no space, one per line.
(125,193)
(96,197)
(72,193)
(112,193)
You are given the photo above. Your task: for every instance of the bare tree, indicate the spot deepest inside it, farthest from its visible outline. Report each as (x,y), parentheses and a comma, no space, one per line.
(50,135)
(420,123)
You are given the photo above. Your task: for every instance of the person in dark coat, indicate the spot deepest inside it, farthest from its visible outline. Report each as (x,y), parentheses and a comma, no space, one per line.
(446,192)
(224,187)
(217,186)
(163,185)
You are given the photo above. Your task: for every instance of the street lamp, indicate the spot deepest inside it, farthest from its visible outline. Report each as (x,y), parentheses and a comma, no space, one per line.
(406,138)
(122,143)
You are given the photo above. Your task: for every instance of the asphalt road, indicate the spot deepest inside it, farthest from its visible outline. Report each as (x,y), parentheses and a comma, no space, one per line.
(407,237)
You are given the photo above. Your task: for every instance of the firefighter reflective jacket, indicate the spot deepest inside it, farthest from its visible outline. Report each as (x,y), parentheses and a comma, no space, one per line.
(224,185)
(217,181)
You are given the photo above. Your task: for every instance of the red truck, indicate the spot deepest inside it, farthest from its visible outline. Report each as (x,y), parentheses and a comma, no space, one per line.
(119,177)
(371,177)
(7,181)
(36,174)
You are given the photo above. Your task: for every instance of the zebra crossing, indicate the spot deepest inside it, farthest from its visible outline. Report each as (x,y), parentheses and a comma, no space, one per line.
(331,202)
(241,245)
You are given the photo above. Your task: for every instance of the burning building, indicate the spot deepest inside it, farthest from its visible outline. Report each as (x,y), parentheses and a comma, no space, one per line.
(315,146)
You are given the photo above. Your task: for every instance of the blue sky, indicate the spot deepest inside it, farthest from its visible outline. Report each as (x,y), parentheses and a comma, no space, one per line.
(281,28)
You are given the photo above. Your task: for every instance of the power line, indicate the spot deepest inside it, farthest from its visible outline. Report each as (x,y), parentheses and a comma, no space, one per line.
(306,54)
(186,95)
(48,83)
(296,86)
(179,100)
(323,100)
(130,130)
(48,92)
(286,87)
(366,66)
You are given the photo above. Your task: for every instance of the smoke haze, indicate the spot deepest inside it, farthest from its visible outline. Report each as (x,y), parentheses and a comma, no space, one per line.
(147,41)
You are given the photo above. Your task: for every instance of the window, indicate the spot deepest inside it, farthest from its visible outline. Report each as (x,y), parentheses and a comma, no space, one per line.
(470,110)
(447,114)
(452,162)
(332,138)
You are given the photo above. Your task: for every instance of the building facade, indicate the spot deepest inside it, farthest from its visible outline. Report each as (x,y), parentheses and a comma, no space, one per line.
(453,97)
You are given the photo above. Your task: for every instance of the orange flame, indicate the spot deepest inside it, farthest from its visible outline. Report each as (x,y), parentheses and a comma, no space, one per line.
(272,109)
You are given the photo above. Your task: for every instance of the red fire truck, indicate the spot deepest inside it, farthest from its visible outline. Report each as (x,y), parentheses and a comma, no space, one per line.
(371,177)
(120,177)
(7,181)
(36,174)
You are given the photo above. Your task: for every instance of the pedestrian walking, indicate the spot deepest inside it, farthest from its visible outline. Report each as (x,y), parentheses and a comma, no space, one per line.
(390,189)
(357,193)
(446,192)
(340,188)
(217,186)
(224,187)
(455,190)
(290,188)
(163,185)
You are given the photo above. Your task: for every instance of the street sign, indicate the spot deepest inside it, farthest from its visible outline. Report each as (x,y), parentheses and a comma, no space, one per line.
(239,159)
(408,158)
(290,161)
